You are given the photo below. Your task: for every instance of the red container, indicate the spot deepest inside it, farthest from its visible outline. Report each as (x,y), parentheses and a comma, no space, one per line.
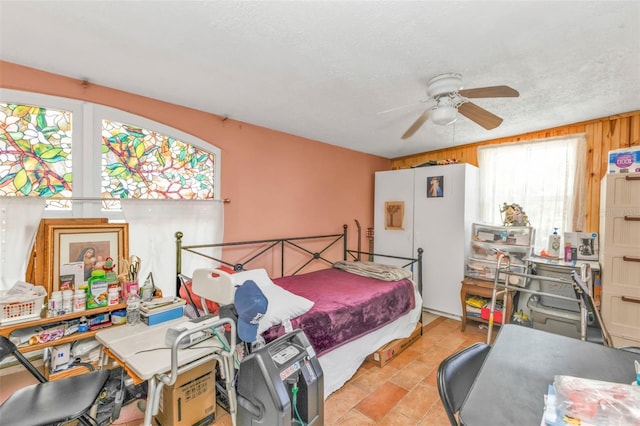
(497,315)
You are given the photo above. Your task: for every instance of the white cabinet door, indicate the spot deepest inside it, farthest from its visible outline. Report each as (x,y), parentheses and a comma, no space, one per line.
(442,227)
(393,230)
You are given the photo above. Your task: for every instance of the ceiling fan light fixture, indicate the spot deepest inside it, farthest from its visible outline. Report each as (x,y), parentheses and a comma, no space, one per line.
(444,115)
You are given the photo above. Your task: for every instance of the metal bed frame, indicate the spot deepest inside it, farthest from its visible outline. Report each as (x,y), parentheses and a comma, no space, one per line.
(295,243)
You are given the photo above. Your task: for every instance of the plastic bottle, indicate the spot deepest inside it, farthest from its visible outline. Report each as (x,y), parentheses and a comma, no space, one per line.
(79,300)
(147,291)
(114,296)
(67,301)
(554,244)
(97,290)
(55,303)
(133,308)
(83,325)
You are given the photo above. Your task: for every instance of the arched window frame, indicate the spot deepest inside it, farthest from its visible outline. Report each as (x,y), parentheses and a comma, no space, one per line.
(86,146)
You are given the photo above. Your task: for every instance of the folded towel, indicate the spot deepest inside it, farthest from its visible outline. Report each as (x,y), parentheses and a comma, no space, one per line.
(374,270)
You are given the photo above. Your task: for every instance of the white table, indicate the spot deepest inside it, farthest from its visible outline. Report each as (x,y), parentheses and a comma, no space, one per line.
(143,350)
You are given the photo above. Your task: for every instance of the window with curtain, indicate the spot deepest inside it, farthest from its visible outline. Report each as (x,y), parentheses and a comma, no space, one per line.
(84,159)
(545,177)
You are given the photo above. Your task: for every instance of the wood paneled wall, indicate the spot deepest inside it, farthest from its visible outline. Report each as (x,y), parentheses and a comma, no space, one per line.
(603,135)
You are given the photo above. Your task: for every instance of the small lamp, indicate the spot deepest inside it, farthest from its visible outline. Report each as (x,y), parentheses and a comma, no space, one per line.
(444,115)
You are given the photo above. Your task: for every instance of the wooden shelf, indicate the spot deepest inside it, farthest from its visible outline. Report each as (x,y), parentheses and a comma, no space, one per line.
(8,329)
(476,287)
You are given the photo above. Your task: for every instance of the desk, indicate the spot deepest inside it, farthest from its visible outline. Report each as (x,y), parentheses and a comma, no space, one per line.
(143,350)
(522,363)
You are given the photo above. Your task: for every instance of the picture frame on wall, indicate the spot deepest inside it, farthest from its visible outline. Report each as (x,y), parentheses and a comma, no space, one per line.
(435,186)
(82,249)
(394,215)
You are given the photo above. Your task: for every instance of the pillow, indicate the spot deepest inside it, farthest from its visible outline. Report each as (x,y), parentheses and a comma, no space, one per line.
(282,305)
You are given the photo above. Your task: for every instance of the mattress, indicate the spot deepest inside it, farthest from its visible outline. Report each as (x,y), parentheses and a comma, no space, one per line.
(346,306)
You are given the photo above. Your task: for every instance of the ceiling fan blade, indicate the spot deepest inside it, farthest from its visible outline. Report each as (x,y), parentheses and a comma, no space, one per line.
(490,92)
(416,125)
(479,115)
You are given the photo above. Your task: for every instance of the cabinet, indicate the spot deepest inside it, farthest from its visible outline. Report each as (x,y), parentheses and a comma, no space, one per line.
(488,241)
(8,329)
(437,222)
(620,257)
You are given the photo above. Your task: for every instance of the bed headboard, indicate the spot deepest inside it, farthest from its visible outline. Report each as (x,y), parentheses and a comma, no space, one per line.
(299,244)
(320,245)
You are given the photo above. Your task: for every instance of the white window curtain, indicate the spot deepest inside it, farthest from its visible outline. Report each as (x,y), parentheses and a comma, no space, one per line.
(545,177)
(19,220)
(152,228)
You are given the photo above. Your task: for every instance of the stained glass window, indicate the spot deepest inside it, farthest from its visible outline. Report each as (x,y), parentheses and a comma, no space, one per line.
(140,163)
(36,157)
(35,151)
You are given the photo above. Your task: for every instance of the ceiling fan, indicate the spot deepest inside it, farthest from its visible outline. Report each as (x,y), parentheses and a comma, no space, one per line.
(448,98)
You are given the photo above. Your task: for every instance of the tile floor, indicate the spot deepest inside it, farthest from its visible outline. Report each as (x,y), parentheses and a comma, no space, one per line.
(404,391)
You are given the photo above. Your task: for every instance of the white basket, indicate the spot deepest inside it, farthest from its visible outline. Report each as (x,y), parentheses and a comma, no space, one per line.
(21,307)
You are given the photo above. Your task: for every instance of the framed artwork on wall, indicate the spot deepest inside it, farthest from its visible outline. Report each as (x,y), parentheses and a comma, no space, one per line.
(435,186)
(35,273)
(394,215)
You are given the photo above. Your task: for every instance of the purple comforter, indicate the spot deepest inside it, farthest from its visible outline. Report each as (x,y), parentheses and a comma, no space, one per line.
(346,306)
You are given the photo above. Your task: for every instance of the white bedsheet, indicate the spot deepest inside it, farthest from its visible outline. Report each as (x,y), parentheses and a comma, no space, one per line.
(340,364)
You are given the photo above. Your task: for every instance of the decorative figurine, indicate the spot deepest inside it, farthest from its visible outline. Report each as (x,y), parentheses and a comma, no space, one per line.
(513,215)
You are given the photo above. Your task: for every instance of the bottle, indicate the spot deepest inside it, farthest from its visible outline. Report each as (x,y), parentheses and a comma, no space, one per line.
(97,290)
(55,303)
(79,300)
(83,325)
(147,290)
(554,244)
(114,296)
(133,308)
(67,301)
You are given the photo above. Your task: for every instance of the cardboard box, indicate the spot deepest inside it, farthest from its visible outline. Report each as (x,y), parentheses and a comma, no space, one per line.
(153,318)
(386,353)
(191,401)
(580,246)
(625,160)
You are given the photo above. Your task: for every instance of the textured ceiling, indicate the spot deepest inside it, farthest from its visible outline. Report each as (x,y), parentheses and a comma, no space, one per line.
(325,70)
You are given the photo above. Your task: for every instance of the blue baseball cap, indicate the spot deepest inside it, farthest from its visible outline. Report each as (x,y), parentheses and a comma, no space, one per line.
(251,305)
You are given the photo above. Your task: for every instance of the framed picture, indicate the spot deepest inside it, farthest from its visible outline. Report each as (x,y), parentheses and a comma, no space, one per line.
(72,251)
(394,215)
(435,186)
(38,261)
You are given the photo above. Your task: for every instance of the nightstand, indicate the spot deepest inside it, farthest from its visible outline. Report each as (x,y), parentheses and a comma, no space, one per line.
(481,288)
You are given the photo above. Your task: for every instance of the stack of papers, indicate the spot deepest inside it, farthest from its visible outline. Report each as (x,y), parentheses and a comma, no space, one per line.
(161,304)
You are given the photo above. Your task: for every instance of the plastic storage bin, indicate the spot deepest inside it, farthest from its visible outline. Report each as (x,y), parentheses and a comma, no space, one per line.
(17,308)
(554,320)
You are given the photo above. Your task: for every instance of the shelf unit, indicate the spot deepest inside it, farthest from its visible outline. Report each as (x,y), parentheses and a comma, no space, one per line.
(488,241)
(620,256)
(8,329)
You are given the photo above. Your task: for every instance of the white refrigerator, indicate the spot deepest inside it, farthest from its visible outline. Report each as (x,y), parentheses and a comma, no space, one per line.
(430,208)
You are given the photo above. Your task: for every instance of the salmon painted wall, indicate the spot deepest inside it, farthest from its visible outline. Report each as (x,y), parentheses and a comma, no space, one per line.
(279,185)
